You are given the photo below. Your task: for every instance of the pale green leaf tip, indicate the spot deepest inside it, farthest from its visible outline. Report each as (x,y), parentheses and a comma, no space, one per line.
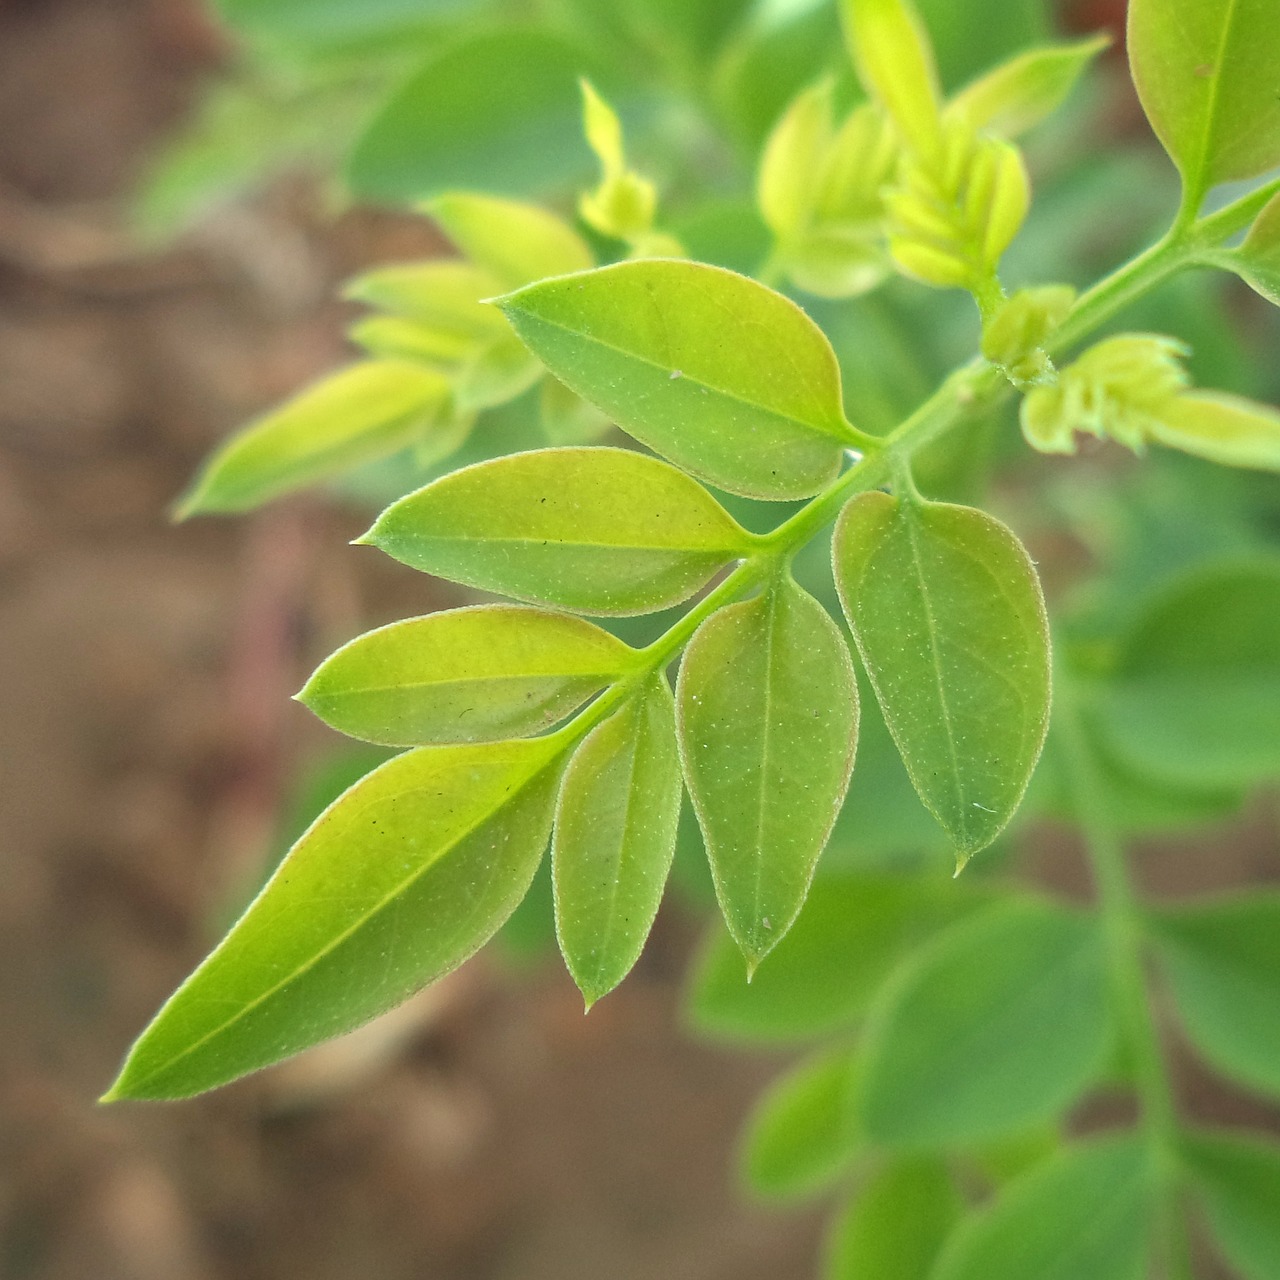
(114,1094)
(366,539)
(186,505)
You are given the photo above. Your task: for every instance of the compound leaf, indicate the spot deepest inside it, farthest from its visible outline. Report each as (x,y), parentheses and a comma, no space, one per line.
(1085,1213)
(948,616)
(768,716)
(1223,962)
(353,416)
(401,879)
(802,1133)
(1205,71)
(999,1024)
(728,379)
(1238,1179)
(602,531)
(465,675)
(896,1224)
(615,837)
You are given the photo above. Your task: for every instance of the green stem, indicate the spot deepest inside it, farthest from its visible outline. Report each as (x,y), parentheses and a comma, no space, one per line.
(1122,930)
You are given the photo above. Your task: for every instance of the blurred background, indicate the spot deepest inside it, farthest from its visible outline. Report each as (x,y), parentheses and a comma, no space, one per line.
(172,233)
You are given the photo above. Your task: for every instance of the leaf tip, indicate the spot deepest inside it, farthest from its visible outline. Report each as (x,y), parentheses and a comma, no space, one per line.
(114,1094)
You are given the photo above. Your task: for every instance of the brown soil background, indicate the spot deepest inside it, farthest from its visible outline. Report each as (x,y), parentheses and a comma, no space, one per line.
(490,1131)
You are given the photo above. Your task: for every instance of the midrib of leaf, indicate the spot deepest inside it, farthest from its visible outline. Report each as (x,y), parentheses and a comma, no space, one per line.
(457,682)
(1215,83)
(487,540)
(606,934)
(934,649)
(353,928)
(824,432)
(765,739)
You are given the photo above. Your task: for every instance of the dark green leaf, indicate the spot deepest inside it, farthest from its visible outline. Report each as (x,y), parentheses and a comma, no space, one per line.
(602,531)
(802,1135)
(1223,962)
(895,1225)
(498,111)
(851,934)
(728,379)
(768,715)
(947,611)
(615,837)
(1084,1214)
(1238,1178)
(1000,1024)
(466,675)
(1195,695)
(400,880)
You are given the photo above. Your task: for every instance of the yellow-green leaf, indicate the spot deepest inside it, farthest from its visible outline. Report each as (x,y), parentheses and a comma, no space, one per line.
(513,241)
(1223,428)
(949,618)
(356,415)
(791,164)
(1020,93)
(615,837)
(768,714)
(1258,259)
(464,675)
(894,58)
(603,531)
(443,295)
(401,879)
(728,379)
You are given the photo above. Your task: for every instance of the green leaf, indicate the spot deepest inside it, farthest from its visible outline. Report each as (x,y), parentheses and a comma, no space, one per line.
(999,1024)
(853,932)
(567,419)
(1205,71)
(395,338)
(400,880)
(768,716)
(1222,428)
(442,295)
(1194,698)
(512,242)
(1019,94)
(1083,1214)
(1222,960)
(801,1135)
(1238,1179)
(466,675)
(949,619)
(1258,258)
(793,159)
(363,412)
(602,531)
(891,50)
(500,372)
(615,837)
(896,1224)
(497,111)
(338,21)
(728,379)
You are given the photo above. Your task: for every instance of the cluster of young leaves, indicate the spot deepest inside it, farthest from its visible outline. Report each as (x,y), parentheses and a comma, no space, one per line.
(968,1017)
